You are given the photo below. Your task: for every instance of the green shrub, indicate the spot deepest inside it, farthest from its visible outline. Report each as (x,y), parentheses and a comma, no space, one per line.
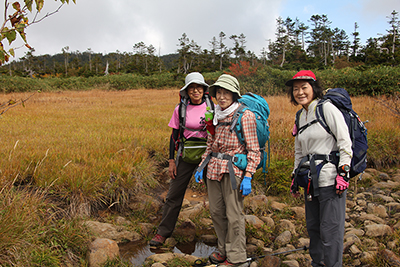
(381,80)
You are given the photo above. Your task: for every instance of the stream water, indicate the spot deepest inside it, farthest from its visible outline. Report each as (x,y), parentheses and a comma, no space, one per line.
(137,252)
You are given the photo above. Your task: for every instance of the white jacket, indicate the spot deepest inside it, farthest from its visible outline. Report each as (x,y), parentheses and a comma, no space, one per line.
(316,140)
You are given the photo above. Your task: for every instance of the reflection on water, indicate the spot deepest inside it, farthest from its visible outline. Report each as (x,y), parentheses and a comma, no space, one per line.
(137,252)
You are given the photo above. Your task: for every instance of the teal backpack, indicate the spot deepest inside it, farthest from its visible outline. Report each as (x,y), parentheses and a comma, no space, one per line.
(259,106)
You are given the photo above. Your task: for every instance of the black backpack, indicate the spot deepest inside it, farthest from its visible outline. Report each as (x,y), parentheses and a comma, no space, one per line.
(192,143)
(358,133)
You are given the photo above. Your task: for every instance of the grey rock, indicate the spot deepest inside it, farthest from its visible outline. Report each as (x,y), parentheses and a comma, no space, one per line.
(100,250)
(299,211)
(367,257)
(354,250)
(211,239)
(391,258)
(364,216)
(385,198)
(375,230)
(283,239)
(270,261)
(269,222)
(109,231)
(291,263)
(254,221)
(378,210)
(277,205)
(284,225)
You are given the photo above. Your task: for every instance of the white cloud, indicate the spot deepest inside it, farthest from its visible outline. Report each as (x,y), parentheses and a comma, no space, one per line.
(110,25)
(106,26)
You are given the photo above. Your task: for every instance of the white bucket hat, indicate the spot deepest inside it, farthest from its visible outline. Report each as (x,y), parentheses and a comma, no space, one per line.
(194,77)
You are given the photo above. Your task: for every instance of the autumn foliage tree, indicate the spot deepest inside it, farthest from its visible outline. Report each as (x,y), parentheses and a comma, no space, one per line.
(242,69)
(16,23)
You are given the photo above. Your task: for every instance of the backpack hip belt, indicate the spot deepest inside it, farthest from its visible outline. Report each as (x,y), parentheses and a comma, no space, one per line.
(333,158)
(229,158)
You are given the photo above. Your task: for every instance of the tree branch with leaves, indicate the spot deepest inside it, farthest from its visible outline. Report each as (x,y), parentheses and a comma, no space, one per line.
(16,23)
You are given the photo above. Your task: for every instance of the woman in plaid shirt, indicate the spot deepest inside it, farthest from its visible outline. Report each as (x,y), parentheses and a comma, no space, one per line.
(226,200)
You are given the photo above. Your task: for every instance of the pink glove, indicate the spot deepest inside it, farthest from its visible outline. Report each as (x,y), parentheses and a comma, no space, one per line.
(294,131)
(341,184)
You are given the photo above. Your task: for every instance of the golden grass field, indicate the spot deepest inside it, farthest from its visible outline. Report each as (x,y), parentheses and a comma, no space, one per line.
(87,142)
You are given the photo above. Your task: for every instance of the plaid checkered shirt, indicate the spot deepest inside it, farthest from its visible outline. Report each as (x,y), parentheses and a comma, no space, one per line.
(226,142)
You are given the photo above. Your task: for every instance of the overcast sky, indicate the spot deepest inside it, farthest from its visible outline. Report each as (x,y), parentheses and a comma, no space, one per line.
(106,26)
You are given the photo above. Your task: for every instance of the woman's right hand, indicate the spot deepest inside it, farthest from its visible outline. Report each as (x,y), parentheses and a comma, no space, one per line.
(294,189)
(172,169)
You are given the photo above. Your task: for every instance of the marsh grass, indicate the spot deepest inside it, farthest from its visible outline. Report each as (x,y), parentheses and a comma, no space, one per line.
(30,234)
(97,148)
(91,147)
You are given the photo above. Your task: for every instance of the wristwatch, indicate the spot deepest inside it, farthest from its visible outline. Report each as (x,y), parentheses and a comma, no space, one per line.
(344,171)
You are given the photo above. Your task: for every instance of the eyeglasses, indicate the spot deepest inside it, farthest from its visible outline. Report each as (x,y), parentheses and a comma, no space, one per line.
(192,88)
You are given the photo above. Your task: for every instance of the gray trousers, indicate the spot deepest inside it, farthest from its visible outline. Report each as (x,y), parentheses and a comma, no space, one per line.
(175,196)
(226,208)
(325,217)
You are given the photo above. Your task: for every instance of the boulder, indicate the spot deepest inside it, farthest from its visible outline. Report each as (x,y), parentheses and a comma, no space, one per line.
(101,250)
(283,239)
(391,258)
(109,231)
(375,230)
(254,221)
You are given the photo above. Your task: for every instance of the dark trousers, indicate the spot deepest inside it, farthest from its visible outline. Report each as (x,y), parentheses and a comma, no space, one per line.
(175,196)
(325,217)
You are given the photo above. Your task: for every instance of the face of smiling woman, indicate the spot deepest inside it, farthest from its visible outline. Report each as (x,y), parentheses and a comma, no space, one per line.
(195,92)
(224,98)
(303,93)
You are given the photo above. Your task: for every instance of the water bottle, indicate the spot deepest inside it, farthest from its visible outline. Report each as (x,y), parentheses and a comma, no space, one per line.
(209,115)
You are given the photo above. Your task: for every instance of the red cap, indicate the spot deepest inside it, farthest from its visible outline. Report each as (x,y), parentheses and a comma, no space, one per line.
(302,75)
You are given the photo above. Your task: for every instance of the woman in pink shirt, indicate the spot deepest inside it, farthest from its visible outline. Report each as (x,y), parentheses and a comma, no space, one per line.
(180,169)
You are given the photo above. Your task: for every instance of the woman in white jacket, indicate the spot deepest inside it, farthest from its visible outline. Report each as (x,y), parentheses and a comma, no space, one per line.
(325,193)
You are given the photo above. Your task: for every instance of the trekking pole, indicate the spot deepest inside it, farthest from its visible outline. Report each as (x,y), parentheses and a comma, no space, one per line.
(200,263)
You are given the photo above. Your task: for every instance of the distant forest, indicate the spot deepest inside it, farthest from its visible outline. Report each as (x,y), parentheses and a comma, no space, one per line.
(296,46)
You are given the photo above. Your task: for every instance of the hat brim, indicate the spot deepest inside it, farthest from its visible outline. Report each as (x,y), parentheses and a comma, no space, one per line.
(213,89)
(290,82)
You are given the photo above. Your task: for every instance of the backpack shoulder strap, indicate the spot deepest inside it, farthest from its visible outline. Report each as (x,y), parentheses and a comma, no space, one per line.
(182,115)
(297,119)
(236,122)
(319,113)
(305,126)
(209,102)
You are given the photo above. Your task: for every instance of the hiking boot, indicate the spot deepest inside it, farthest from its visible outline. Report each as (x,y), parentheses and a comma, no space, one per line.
(241,264)
(157,240)
(216,257)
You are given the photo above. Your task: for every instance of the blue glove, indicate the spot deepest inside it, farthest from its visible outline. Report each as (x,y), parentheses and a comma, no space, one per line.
(199,176)
(245,186)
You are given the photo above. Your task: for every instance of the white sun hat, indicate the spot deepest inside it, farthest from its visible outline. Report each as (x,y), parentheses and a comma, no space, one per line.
(194,77)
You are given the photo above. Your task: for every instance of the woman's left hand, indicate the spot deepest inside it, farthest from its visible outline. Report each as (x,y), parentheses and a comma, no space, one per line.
(245,186)
(172,169)
(341,184)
